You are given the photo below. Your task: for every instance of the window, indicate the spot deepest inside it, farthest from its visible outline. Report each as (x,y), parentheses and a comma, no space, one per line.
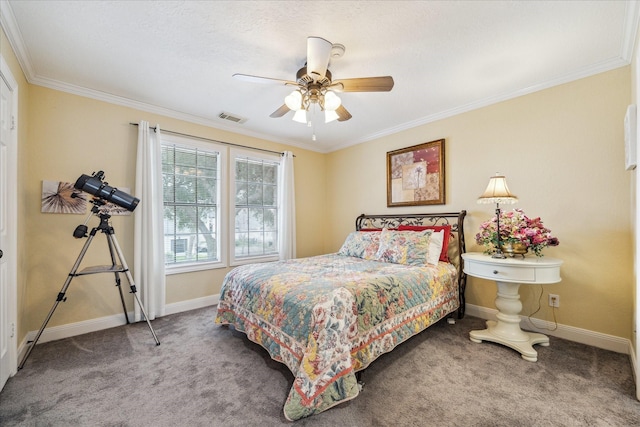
(191,176)
(211,215)
(254,207)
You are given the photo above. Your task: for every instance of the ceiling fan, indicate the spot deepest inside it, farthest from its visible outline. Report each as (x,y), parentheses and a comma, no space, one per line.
(314,84)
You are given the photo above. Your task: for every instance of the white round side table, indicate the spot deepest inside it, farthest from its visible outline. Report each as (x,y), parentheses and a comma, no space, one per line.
(509,274)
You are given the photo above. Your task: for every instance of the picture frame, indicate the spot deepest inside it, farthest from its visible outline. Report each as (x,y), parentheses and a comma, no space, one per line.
(416,175)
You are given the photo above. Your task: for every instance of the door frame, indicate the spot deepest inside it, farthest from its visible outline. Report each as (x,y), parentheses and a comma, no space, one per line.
(12,219)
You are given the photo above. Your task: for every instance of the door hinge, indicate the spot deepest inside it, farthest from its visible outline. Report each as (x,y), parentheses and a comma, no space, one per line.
(13,122)
(13,330)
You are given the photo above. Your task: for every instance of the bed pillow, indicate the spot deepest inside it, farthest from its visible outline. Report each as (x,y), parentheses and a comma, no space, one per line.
(361,244)
(410,247)
(444,253)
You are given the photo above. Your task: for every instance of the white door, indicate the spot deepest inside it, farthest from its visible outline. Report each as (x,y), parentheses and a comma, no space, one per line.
(8,218)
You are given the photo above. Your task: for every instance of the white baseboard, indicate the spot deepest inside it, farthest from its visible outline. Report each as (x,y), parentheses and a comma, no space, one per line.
(584,336)
(571,333)
(192,304)
(72,329)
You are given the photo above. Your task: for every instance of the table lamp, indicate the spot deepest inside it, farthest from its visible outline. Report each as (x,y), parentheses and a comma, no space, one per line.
(497,192)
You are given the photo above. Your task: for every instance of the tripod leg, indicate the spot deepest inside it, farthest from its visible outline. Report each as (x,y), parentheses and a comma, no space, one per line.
(125,268)
(114,263)
(124,307)
(61,297)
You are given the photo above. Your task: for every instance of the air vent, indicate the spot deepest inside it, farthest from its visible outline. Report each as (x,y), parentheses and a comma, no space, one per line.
(231,117)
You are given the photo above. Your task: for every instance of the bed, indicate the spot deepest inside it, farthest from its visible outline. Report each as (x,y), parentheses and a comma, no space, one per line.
(328,317)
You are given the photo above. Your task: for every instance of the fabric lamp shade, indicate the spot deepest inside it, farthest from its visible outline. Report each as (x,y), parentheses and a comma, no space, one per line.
(497,192)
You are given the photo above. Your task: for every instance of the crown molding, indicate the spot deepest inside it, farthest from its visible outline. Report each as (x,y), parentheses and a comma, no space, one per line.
(8,23)
(10,27)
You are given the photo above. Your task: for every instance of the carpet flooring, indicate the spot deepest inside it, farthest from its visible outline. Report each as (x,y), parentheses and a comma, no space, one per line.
(207,375)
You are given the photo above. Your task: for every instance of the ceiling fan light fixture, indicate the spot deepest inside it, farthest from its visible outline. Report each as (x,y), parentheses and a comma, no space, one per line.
(330,115)
(300,116)
(331,101)
(294,100)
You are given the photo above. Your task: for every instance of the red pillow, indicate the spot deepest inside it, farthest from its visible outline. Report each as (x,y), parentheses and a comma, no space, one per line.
(436,228)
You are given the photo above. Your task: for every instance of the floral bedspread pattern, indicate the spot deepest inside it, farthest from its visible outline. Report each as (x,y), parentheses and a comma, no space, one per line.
(328,316)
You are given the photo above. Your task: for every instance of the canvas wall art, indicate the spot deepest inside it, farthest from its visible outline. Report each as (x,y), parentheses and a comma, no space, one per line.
(62,197)
(415,175)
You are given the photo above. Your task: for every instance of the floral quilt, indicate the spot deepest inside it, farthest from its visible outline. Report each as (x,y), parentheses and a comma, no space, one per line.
(328,316)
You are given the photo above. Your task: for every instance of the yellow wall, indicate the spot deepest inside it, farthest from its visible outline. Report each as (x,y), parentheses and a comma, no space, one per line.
(70,135)
(562,151)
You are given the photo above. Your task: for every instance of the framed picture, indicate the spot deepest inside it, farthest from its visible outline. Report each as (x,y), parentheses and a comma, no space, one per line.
(61,197)
(415,175)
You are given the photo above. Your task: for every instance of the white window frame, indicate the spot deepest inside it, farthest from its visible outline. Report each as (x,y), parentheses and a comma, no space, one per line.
(251,154)
(222,218)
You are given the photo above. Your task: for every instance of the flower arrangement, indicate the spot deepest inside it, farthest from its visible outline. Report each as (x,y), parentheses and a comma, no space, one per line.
(516,227)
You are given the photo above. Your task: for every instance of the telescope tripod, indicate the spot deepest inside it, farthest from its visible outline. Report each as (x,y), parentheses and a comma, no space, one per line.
(115,268)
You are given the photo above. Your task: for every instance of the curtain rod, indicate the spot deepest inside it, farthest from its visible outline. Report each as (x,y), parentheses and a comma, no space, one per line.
(215,140)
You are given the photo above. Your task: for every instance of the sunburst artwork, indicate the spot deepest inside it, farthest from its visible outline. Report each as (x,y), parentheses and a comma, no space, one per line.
(62,197)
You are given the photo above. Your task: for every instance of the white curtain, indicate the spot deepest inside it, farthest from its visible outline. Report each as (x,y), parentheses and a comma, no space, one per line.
(287,226)
(148,261)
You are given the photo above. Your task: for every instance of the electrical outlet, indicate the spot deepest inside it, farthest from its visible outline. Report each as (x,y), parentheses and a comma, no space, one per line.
(554,300)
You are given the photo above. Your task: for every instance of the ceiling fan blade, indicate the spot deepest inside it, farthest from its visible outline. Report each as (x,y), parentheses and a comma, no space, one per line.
(280,111)
(263,80)
(318,54)
(364,84)
(343,114)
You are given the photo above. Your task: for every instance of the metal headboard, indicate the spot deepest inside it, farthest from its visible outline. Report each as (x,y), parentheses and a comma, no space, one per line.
(454,219)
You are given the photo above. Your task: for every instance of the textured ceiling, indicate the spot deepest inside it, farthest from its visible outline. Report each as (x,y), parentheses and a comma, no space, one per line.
(177,57)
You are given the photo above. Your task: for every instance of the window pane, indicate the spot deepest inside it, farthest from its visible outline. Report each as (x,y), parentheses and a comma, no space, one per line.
(168,187)
(255,194)
(191,199)
(208,161)
(255,219)
(186,219)
(256,246)
(270,174)
(270,220)
(207,190)
(255,172)
(167,159)
(169,220)
(270,242)
(256,200)
(242,219)
(270,195)
(185,157)
(185,189)
(242,244)
(241,170)
(242,195)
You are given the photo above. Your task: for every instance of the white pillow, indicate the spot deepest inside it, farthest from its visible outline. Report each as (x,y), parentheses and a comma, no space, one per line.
(435,247)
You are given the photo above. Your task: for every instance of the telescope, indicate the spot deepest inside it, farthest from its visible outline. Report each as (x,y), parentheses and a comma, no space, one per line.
(95,186)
